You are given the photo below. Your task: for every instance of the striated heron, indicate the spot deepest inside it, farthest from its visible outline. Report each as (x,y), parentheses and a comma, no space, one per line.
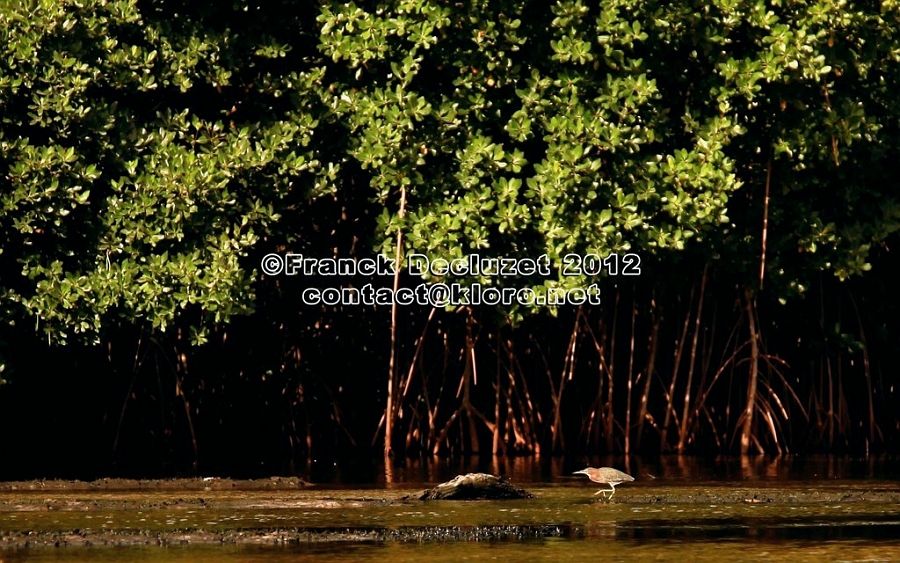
(607,476)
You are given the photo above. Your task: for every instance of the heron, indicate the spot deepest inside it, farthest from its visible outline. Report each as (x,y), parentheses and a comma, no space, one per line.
(606,476)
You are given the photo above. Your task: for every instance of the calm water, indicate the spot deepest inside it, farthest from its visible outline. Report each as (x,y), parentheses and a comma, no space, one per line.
(678,509)
(667,469)
(534,550)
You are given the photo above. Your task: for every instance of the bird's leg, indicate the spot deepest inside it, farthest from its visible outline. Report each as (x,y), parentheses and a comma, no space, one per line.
(613,492)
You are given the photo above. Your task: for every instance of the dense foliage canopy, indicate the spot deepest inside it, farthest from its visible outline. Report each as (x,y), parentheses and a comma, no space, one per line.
(152,152)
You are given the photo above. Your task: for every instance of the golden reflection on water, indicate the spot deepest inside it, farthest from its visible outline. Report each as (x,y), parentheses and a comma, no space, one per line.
(594,549)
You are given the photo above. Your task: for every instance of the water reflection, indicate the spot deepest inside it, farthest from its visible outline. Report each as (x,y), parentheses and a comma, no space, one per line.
(594,549)
(762,529)
(665,469)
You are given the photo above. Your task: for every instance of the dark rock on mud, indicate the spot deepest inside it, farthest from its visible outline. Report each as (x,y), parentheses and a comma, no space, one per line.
(475,486)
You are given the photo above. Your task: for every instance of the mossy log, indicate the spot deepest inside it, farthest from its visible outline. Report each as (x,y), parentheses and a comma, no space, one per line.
(475,486)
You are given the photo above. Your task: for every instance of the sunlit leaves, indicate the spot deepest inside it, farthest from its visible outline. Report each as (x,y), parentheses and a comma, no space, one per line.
(513,128)
(123,203)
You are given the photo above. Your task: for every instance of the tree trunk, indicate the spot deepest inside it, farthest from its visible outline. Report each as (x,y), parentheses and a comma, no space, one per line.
(754,373)
(390,410)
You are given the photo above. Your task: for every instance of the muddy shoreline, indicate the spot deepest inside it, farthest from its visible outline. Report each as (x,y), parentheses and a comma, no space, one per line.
(31,510)
(189,484)
(281,537)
